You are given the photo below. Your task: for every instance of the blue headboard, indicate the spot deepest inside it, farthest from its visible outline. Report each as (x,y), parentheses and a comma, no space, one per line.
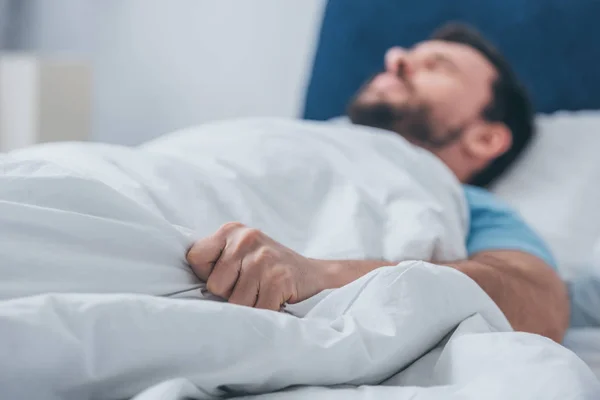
(554,46)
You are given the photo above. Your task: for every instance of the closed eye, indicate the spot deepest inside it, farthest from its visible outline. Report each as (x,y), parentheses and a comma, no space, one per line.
(439,60)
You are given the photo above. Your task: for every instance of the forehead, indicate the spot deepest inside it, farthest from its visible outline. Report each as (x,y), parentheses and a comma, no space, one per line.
(469,62)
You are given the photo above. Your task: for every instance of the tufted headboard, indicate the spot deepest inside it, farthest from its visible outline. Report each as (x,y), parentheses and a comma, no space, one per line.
(554,45)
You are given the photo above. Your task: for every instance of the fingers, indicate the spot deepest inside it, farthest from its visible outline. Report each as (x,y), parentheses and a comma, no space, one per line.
(204,254)
(270,298)
(246,267)
(276,288)
(225,273)
(246,291)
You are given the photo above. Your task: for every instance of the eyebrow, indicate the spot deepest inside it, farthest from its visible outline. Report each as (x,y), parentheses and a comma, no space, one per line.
(446,60)
(439,56)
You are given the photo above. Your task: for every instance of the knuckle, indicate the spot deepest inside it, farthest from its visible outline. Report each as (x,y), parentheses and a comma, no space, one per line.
(286,276)
(253,233)
(231,226)
(250,236)
(280,276)
(264,255)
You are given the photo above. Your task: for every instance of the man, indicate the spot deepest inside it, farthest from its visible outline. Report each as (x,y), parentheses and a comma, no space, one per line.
(455,96)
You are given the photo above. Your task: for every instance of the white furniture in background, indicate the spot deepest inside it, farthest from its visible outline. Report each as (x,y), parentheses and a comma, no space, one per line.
(43,100)
(210,60)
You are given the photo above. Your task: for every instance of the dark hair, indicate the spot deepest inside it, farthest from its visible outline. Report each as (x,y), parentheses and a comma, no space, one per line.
(510,102)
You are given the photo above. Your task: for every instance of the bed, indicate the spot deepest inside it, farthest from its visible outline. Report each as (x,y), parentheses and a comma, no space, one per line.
(559,199)
(551,46)
(105,313)
(97,300)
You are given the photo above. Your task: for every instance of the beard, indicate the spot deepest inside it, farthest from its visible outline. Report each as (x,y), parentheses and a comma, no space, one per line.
(414,122)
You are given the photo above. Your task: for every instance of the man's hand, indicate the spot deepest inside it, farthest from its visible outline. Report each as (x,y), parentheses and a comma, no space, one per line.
(249,268)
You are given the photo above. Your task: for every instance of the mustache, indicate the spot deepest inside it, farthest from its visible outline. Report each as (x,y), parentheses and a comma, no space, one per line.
(400,75)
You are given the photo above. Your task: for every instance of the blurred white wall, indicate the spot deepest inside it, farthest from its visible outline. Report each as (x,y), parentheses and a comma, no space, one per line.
(162,65)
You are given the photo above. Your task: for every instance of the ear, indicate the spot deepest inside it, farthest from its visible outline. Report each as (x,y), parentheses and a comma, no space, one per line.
(488,141)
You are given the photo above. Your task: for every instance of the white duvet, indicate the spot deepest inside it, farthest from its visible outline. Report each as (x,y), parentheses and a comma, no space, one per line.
(98,303)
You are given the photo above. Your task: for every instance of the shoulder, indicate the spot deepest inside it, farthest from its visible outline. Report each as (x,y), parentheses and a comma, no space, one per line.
(494,225)
(480,199)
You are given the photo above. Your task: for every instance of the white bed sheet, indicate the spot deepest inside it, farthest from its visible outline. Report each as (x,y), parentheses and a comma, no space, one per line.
(103,219)
(586,344)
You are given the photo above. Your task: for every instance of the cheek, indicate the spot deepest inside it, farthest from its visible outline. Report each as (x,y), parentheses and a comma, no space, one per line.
(448,102)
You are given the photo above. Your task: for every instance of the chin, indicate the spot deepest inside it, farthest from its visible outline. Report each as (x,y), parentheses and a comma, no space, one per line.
(376,114)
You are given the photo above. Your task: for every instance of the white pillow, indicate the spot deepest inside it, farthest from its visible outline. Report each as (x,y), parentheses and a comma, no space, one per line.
(556,187)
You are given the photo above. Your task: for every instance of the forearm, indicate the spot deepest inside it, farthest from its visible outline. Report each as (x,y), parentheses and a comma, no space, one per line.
(527,291)
(533,299)
(338,273)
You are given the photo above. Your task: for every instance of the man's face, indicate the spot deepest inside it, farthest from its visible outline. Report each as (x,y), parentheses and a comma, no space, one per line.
(429,94)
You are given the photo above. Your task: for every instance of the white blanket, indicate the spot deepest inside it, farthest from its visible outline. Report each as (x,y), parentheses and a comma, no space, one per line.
(89,232)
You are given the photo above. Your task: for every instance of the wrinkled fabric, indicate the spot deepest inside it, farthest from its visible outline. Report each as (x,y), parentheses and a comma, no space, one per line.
(97,301)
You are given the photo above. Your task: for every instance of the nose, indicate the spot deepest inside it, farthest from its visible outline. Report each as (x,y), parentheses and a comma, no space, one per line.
(397,62)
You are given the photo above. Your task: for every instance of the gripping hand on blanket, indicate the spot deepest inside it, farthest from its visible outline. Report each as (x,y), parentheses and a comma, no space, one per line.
(249,268)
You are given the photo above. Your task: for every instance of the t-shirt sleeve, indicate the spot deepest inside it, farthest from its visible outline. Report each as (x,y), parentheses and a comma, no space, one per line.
(495,226)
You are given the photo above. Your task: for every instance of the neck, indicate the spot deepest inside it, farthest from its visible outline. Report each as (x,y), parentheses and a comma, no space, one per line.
(461,169)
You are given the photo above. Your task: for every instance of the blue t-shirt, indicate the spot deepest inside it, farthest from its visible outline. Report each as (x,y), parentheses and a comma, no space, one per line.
(495,226)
